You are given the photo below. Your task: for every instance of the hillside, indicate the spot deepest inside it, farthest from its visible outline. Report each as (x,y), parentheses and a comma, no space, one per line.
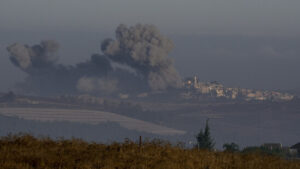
(102,132)
(243,122)
(89,117)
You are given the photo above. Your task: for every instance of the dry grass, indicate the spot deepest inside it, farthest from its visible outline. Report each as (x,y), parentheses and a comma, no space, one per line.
(27,152)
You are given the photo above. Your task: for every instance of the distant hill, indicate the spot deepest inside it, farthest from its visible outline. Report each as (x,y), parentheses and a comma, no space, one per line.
(243,122)
(103,132)
(88,117)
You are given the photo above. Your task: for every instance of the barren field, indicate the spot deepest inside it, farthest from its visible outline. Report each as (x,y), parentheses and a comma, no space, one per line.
(88,116)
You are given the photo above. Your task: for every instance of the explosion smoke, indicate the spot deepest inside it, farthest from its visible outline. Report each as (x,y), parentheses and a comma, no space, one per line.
(36,56)
(104,85)
(145,49)
(135,60)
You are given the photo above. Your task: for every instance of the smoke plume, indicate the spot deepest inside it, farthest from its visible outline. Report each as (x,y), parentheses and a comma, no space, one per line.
(136,60)
(103,85)
(37,56)
(145,49)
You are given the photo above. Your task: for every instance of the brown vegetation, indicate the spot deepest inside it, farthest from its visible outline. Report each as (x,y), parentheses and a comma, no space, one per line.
(27,152)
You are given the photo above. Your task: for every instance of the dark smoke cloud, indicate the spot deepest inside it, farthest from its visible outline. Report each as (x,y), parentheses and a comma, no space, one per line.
(135,61)
(37,56)
(145,49)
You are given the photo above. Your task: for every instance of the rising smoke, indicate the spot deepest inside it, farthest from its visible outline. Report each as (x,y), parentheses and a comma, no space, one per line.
(35,57)
(145,49)
(137,60)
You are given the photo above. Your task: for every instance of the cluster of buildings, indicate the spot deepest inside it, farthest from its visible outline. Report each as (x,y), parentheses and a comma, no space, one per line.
(216,89)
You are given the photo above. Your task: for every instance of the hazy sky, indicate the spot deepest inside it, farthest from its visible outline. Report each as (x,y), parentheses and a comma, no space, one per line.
(247,43)
(275,17)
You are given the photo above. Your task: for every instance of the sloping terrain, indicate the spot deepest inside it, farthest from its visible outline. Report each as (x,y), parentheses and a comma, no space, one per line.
(106,132)
(245,123)
(88,116)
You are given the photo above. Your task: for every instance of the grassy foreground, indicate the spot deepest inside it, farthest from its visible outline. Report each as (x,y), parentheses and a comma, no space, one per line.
(27,152)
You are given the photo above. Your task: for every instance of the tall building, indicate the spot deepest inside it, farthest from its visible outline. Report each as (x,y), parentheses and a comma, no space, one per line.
(196,82)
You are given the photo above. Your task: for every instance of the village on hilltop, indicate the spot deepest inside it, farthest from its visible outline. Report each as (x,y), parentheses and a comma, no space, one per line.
(216,89)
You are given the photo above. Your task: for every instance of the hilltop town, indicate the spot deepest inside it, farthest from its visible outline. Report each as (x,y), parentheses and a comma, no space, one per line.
(216,89)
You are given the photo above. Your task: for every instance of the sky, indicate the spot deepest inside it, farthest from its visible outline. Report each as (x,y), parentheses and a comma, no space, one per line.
(273,17)
(239,42)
